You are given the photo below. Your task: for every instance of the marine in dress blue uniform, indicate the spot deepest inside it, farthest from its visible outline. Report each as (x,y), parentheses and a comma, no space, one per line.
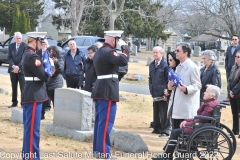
(34,94)
(106,91)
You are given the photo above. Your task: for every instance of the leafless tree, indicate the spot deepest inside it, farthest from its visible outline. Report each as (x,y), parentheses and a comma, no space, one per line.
(48,9)
(73,11)
(214,16)
(169,12)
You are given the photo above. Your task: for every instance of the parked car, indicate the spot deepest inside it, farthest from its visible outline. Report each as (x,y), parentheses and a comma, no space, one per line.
(4,47)
(83,42)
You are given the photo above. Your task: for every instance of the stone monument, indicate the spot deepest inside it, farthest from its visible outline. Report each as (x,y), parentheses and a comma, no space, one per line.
(72,114)
(197,51)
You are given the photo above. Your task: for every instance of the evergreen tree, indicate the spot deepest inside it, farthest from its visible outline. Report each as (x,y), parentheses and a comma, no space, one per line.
(28,27)
(22,22)
(15,24)
(33,7)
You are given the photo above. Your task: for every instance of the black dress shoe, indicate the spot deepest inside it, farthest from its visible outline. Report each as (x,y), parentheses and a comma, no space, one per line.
(13,105)
(155,132)
(163,135)
(236,133)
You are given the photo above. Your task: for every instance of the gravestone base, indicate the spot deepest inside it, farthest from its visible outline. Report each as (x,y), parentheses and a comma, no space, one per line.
(68,133)
(17,115)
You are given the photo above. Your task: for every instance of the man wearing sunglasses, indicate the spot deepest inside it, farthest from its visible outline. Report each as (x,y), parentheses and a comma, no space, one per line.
(230,58)
(185,98)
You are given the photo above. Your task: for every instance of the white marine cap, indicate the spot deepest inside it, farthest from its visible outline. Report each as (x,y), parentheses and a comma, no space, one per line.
(116,34)
(36,34)
(121,42)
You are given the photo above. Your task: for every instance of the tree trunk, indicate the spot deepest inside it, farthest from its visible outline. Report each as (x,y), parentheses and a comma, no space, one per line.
(81,4)
(112,19)
(77,7)
(74,17)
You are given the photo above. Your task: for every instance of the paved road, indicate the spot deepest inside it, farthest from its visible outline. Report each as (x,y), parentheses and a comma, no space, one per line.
(3,69)
(134,88)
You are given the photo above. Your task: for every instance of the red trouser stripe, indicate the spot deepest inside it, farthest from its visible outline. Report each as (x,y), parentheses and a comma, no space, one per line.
(106,127)
(32,129)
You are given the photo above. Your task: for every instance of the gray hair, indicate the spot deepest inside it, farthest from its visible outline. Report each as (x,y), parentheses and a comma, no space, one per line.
(17,34)
(98,44)
(209,54)
(161,50)
(214,90)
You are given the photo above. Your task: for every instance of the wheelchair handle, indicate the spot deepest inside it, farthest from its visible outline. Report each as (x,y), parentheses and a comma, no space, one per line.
(204,117)
(222,104)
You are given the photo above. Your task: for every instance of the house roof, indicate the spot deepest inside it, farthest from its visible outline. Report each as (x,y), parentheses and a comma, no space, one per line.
(205,38)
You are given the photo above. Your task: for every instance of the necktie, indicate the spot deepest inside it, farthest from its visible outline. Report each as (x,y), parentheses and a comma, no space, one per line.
(156,64)
(17,48)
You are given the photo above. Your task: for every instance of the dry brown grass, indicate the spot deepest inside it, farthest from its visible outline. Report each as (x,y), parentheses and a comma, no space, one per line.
(133,115)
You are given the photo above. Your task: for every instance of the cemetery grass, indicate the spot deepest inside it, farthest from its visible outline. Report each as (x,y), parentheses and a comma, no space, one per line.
(133,115)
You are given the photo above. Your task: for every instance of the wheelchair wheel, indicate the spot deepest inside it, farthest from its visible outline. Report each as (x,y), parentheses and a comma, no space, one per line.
(230,135)
(209,143)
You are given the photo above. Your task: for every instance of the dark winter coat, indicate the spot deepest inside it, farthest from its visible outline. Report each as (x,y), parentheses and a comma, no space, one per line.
(74,67)
(234,85)
(211,76)
(206,109)
(56,80)
(90,75)
(158,78)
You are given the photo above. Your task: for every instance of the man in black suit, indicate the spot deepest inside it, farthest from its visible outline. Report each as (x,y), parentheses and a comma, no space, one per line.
(15,53)
(230,57)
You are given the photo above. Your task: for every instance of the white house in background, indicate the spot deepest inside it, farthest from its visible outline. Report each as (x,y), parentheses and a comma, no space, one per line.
(46,26)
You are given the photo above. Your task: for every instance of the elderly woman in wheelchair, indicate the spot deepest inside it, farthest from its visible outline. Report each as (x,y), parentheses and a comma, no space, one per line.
(201,137)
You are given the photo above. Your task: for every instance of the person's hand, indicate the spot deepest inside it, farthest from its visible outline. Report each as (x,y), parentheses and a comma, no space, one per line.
(55,60)
(80,88)
(53,72)
(166,92)
(15,69)
(231,94)
(171,85)
(182,88)
(183,124)
(165,98)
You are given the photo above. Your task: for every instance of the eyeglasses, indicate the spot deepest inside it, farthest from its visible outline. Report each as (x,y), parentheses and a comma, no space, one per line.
(177,50)
(237,56)
(234,39)
(170,60)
